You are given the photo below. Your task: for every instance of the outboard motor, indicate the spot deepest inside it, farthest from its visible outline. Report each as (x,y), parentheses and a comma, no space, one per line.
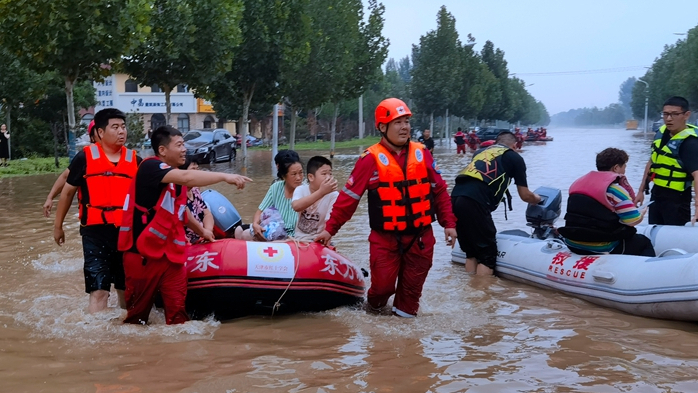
(225,217)
(543,215)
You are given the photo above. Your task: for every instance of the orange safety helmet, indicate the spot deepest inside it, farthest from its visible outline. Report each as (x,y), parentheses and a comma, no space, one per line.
(390,109)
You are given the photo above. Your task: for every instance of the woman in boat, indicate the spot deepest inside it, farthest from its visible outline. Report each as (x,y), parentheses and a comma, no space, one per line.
(601,214)
(277,202)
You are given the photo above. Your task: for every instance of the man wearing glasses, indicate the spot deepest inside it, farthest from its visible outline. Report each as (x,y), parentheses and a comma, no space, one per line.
(673,167)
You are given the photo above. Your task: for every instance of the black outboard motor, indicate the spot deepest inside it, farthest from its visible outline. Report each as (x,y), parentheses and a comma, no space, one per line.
(543,215)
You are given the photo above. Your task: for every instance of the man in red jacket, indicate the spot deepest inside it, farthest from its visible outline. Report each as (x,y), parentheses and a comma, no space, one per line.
(405,192)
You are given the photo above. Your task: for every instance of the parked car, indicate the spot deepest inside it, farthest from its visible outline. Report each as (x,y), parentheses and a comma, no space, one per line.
(251,141)
(657,125)
(210,145)
(489,134)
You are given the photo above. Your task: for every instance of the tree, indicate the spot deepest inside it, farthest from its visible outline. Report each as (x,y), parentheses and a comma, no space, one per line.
(269,41)
(436,65)
(49,112)
(328,30)
(368,50)
(494,59)
(17,85)
(472,82)
(183,48)
(625,94)
(76,38)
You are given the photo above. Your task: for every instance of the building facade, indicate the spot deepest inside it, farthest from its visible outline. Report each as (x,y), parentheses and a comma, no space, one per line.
(187,112)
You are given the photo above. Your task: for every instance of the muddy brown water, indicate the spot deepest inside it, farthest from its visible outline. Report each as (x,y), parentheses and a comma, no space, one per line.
(472,334)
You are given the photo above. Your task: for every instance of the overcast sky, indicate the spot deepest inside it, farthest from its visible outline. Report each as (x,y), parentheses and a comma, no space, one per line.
(544,36)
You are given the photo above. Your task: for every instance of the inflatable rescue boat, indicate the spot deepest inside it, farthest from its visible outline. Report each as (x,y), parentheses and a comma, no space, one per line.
(232,278)
(664,287)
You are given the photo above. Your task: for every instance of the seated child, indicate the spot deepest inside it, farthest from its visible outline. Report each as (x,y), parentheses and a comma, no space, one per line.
(313,201)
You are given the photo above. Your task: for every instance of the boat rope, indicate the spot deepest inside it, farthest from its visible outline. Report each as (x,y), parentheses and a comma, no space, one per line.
(297,262)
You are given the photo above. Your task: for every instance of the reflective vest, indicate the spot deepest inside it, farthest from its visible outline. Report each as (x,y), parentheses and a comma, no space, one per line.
(590,216)
(487,166)
(667,169)
(164,233)
(403,201)
(107,185)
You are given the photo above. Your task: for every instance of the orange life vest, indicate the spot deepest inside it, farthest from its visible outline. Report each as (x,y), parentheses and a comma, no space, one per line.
(403,201)
(107,185)
(164,233)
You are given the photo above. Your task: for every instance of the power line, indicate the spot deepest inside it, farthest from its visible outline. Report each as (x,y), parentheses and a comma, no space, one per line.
(583,72)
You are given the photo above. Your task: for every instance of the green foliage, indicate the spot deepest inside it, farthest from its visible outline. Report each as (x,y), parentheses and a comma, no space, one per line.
(33,166)
(437,65)
(183,47)
(625,94)
(75,38)
(135,127)
(673,73)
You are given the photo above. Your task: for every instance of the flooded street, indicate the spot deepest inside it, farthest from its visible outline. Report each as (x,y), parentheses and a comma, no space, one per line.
(472,334)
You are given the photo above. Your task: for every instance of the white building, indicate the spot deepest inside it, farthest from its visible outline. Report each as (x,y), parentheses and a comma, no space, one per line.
(188,112)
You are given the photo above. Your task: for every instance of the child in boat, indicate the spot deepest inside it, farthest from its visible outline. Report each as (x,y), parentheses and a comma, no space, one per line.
(199,218)
(279,196)
(313,201)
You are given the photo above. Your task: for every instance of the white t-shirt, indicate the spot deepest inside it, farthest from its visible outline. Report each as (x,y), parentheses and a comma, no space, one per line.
(311,221)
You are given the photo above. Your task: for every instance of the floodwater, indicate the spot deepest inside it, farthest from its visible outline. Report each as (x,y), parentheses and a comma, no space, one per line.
(473,334)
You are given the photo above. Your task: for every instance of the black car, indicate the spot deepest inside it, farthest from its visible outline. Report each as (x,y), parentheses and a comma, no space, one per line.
(489,134)
(210,145)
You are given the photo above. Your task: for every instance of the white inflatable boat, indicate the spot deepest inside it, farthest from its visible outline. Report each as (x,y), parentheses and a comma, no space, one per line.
(664,287)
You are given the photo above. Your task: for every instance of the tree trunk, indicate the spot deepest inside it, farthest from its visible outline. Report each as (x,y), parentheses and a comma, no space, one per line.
(54,130)
(294,120)
(247,100)
(448,129)
(431,126)
(333,132)
(65,136)
(168,91)
(9,120)
(69,84)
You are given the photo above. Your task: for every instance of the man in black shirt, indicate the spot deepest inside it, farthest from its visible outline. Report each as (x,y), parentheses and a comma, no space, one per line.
(479,189)
(101,172)
(427,141)
(151,267)
(673,167)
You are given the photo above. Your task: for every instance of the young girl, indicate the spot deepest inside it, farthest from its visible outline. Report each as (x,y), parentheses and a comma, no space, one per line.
(200,220)
(279,196)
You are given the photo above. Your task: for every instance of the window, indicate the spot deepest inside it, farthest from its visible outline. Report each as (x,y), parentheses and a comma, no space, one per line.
(183,122)
(131,86)
(181,88)
(226,135)
(208,121)
(157,120)
(155,88)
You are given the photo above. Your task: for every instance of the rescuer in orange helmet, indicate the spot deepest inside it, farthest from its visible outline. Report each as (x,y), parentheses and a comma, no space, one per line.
(405,194)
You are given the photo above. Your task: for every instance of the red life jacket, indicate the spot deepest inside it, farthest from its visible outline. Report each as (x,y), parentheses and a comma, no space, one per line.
(595,185)
(107,185)
(403,201)
(164,233)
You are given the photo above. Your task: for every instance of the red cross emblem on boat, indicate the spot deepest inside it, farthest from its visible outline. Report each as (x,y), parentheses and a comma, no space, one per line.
(583,263)
(270,251)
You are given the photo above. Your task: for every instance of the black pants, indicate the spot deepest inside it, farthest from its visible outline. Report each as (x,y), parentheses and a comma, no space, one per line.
(669,212)
(634,245)
(477,235)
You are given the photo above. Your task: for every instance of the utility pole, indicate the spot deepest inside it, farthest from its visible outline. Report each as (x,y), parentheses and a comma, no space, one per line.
(647,97)
(361,116)
(448,130)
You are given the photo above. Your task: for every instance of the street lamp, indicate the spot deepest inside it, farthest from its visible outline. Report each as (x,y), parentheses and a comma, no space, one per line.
(647,88)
